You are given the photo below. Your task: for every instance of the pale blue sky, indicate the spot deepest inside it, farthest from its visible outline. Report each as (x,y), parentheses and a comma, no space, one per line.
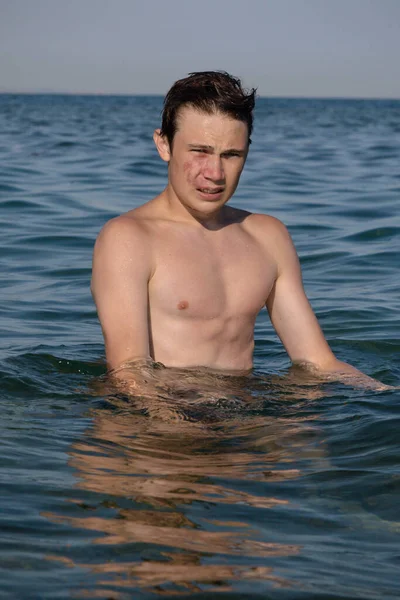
(284,47)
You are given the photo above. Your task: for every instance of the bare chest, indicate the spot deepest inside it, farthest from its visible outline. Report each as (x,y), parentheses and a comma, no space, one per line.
(229,277)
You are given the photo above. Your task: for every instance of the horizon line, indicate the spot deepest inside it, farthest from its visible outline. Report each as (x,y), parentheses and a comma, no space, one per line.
(160,95)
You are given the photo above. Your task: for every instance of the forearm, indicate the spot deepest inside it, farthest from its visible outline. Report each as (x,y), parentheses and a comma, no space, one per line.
(137,377)
(337,370)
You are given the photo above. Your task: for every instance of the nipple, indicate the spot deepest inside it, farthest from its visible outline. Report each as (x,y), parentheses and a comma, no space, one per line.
(183,304)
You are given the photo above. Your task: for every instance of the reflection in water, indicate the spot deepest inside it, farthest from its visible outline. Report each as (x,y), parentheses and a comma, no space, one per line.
(170,486)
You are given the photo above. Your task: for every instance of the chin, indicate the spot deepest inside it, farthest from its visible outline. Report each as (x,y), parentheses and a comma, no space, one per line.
(208,209)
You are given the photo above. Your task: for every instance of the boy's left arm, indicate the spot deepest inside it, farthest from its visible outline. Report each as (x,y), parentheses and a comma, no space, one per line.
(297,326)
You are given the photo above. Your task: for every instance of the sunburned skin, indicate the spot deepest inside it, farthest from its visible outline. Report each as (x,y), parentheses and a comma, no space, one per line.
(194,170)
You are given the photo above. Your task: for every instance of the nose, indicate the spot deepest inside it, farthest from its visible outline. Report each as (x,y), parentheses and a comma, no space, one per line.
(214,170)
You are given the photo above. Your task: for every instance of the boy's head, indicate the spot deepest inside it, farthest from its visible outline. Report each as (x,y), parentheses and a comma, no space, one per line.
(209,92)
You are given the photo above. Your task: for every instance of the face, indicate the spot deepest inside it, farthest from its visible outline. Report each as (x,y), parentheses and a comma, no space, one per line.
(207,158)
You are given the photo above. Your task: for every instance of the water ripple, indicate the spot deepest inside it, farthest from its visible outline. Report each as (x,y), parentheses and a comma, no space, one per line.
(266,486)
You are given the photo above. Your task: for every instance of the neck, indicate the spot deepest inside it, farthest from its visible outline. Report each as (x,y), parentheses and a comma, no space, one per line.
(212,220)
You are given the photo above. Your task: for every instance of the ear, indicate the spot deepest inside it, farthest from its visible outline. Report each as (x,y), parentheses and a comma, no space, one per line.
(162,145)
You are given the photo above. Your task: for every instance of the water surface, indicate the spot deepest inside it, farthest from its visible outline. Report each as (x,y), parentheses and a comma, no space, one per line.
(261,486)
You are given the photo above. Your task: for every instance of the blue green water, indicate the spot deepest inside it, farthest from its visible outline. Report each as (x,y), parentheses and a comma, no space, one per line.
(269,486)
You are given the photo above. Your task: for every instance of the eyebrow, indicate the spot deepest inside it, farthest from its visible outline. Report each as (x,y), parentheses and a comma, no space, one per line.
(211,148)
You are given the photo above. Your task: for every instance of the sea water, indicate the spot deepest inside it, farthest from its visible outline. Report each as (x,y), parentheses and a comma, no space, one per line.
(264,486)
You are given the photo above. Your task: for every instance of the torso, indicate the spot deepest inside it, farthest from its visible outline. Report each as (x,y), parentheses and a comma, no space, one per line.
(206,290)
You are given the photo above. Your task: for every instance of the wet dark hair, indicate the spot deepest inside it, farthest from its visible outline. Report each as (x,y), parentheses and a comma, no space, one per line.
(209,92)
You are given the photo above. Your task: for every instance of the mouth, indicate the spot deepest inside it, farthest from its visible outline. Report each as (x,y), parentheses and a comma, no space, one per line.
(211,192)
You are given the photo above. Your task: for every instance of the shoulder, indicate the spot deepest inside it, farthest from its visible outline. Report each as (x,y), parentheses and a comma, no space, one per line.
(275,238)
(135,226)
(123,247)
(255,222)
(267,228)
(121,233)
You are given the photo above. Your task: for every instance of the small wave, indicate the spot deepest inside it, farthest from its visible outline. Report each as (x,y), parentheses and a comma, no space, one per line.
(378,233)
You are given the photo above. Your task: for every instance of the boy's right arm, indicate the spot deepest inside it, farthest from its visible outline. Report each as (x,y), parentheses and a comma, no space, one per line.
(120,276)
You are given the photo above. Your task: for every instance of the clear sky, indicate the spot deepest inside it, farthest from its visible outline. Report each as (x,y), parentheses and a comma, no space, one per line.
(347,48)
